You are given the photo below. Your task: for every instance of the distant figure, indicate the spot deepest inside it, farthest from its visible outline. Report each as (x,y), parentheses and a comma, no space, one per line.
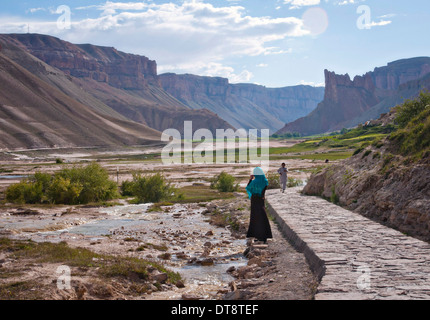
(283,177)
(326,161)
(259,226)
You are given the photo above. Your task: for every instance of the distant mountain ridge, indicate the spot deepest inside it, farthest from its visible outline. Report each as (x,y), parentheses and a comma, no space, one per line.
(129,85)
(350,102)
(244,105)
(105,78)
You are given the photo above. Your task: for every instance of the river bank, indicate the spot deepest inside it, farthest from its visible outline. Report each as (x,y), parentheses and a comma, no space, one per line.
(188,239)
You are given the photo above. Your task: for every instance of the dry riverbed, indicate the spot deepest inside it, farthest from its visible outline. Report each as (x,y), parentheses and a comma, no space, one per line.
(203,243)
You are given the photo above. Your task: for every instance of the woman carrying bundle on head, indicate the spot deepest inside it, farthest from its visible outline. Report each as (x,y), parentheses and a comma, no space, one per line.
(259,226)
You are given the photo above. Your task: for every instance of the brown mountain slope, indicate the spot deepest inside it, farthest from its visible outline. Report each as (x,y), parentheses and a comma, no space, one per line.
(125,83)
(34,114)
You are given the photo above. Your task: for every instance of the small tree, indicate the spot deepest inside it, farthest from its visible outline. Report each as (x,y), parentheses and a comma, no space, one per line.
(75,185)
(151,188)
(224,182)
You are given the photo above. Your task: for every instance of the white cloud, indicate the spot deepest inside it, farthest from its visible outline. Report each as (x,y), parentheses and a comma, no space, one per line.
(296,4)
(112,7)
(211,69)
(189,33)
(378,24)
(310,83)
(387,16)
(194,32)
(345,2)
(34,10)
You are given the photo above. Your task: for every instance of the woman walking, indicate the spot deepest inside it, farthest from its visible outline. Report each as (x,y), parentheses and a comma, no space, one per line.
(259,226)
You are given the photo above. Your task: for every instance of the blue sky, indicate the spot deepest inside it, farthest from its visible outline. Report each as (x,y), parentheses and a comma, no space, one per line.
(274,43)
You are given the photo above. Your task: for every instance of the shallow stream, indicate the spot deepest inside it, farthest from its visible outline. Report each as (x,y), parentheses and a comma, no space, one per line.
(199,251)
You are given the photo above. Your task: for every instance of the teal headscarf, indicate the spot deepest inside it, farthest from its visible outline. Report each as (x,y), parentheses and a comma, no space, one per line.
(258,184)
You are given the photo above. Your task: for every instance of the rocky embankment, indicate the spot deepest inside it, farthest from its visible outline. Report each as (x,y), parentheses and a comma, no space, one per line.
(382,186)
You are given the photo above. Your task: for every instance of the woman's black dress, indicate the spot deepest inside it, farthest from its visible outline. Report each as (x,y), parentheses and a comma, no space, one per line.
(259,226)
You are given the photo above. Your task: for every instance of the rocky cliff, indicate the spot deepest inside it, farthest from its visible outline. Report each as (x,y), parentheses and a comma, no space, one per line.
(103,64)
(349,102)
(243,105)
(400,72)
(36,114)
(109,81)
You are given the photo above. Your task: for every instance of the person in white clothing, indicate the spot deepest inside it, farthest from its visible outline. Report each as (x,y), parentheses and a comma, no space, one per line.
(283,177)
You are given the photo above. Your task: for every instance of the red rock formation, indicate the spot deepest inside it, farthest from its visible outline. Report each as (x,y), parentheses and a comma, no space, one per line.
(399,72)
(346,102)
(103,64)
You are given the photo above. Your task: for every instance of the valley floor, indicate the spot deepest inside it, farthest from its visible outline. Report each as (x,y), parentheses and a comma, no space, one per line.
(184,238)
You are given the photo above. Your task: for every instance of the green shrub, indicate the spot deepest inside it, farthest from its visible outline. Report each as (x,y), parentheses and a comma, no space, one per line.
(151,188)
(376,155)
(62,190)
(31,190)
(413,138)
(273,179)
(224,182)
(24,192)
(77,185)
(127,188)
(412,108)
(95,182)
(367,153)
(334,198)
(291,183)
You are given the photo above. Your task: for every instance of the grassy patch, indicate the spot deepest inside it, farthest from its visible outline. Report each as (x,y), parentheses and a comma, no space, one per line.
(195,194)
(331,156)
(300,147)
(159,247)
(20,290)
(414,139)
(107,265)
(222,220)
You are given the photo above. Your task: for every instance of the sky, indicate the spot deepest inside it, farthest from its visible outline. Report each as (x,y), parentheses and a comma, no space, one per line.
(274,43)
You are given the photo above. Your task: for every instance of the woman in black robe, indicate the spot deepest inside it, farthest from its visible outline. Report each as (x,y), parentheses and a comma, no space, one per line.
(259,226)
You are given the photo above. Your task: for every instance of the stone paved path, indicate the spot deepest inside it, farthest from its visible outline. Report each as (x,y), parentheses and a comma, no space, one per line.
(354,257)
